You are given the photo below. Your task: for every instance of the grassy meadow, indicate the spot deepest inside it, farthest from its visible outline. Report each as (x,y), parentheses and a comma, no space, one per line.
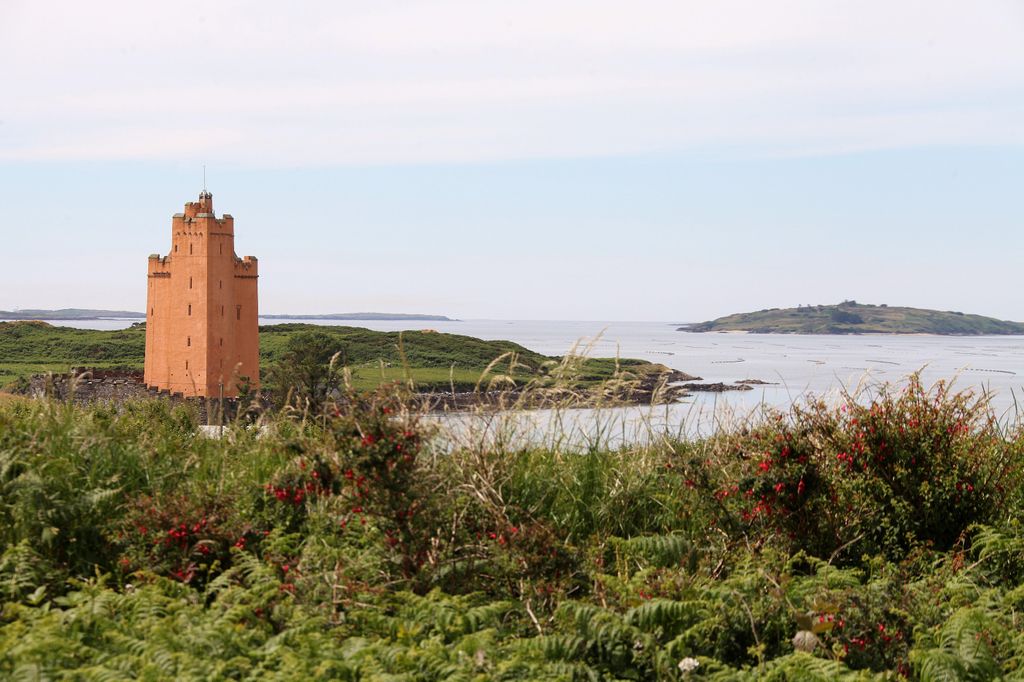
(31,347)
(431,360)
(876,539)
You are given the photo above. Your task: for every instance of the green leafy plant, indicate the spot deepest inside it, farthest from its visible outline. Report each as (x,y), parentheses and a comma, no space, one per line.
(877,538)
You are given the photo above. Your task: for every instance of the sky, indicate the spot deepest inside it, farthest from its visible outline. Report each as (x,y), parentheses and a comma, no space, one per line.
(575,159)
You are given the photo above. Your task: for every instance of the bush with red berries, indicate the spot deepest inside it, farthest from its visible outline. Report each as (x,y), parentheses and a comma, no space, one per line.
(182,537)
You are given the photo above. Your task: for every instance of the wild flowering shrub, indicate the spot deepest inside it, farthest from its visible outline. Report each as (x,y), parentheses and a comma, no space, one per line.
(527,560)
(764,484)
(856,616)
(182,537)
(912,466)
(284,499)
(780,481)
(380,477)
(65,473)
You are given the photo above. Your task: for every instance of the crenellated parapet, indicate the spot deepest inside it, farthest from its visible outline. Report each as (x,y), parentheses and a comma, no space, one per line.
(247,267)
(201,208)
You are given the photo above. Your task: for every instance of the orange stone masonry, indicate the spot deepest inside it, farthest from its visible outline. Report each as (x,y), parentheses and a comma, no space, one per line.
(202,329)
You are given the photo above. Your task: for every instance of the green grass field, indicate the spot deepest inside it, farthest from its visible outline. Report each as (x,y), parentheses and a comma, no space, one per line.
(433,361)
(28,348)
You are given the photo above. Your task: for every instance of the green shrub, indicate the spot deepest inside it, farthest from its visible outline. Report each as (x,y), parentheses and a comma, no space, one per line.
(184,537)
(876,540)
(908,468)
(915,466)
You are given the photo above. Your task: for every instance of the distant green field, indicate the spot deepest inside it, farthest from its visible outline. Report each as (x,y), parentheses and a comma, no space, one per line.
(851,317)
(28,348)
(430,359)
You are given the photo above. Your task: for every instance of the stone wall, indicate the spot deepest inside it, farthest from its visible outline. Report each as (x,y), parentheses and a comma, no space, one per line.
(85,386)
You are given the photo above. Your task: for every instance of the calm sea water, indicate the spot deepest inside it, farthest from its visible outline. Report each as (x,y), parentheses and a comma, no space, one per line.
(795,365)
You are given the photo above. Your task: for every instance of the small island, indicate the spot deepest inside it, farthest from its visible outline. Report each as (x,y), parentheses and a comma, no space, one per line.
(850,317)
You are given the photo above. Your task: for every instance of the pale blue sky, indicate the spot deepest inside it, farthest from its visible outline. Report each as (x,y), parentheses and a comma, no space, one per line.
(576,160)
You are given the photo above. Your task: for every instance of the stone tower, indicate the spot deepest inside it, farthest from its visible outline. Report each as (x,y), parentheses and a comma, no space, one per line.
(202,334)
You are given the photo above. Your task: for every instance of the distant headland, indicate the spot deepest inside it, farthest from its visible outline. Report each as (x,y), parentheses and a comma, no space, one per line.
(850,317)
(362,316)
(68,314)
(88,314)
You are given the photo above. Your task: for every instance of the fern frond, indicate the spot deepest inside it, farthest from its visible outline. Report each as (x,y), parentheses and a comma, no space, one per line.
(665,615)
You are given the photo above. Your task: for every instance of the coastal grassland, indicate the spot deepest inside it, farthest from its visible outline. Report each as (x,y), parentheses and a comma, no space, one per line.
(850,317)
(432,361)
(30,347)
(877,538)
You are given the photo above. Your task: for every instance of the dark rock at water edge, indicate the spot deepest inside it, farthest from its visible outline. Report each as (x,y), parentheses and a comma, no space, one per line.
(718,387)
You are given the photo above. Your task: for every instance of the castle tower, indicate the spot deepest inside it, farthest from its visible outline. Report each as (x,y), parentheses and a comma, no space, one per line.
(202,333)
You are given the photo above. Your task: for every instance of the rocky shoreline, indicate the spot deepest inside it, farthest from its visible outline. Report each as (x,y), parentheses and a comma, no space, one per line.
(85,386)
(657,389)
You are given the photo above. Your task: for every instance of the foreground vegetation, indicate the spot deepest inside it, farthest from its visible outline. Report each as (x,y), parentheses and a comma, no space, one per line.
(876,539)
(850,317)
(432,361)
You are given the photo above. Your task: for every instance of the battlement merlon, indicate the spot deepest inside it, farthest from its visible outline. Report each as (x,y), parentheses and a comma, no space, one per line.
(207,223)
(158,263)
(247,266)
(204,205)
(185,223)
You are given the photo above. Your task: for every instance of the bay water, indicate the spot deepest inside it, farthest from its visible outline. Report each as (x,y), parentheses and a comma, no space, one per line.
(795,367)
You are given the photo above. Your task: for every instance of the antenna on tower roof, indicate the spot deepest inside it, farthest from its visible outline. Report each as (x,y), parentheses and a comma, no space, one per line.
(204,177)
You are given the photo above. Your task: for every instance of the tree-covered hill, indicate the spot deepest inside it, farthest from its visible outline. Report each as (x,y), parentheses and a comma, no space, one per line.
(850,317)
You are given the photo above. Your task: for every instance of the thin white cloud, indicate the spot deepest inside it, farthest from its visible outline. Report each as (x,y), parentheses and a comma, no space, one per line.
(461,80)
